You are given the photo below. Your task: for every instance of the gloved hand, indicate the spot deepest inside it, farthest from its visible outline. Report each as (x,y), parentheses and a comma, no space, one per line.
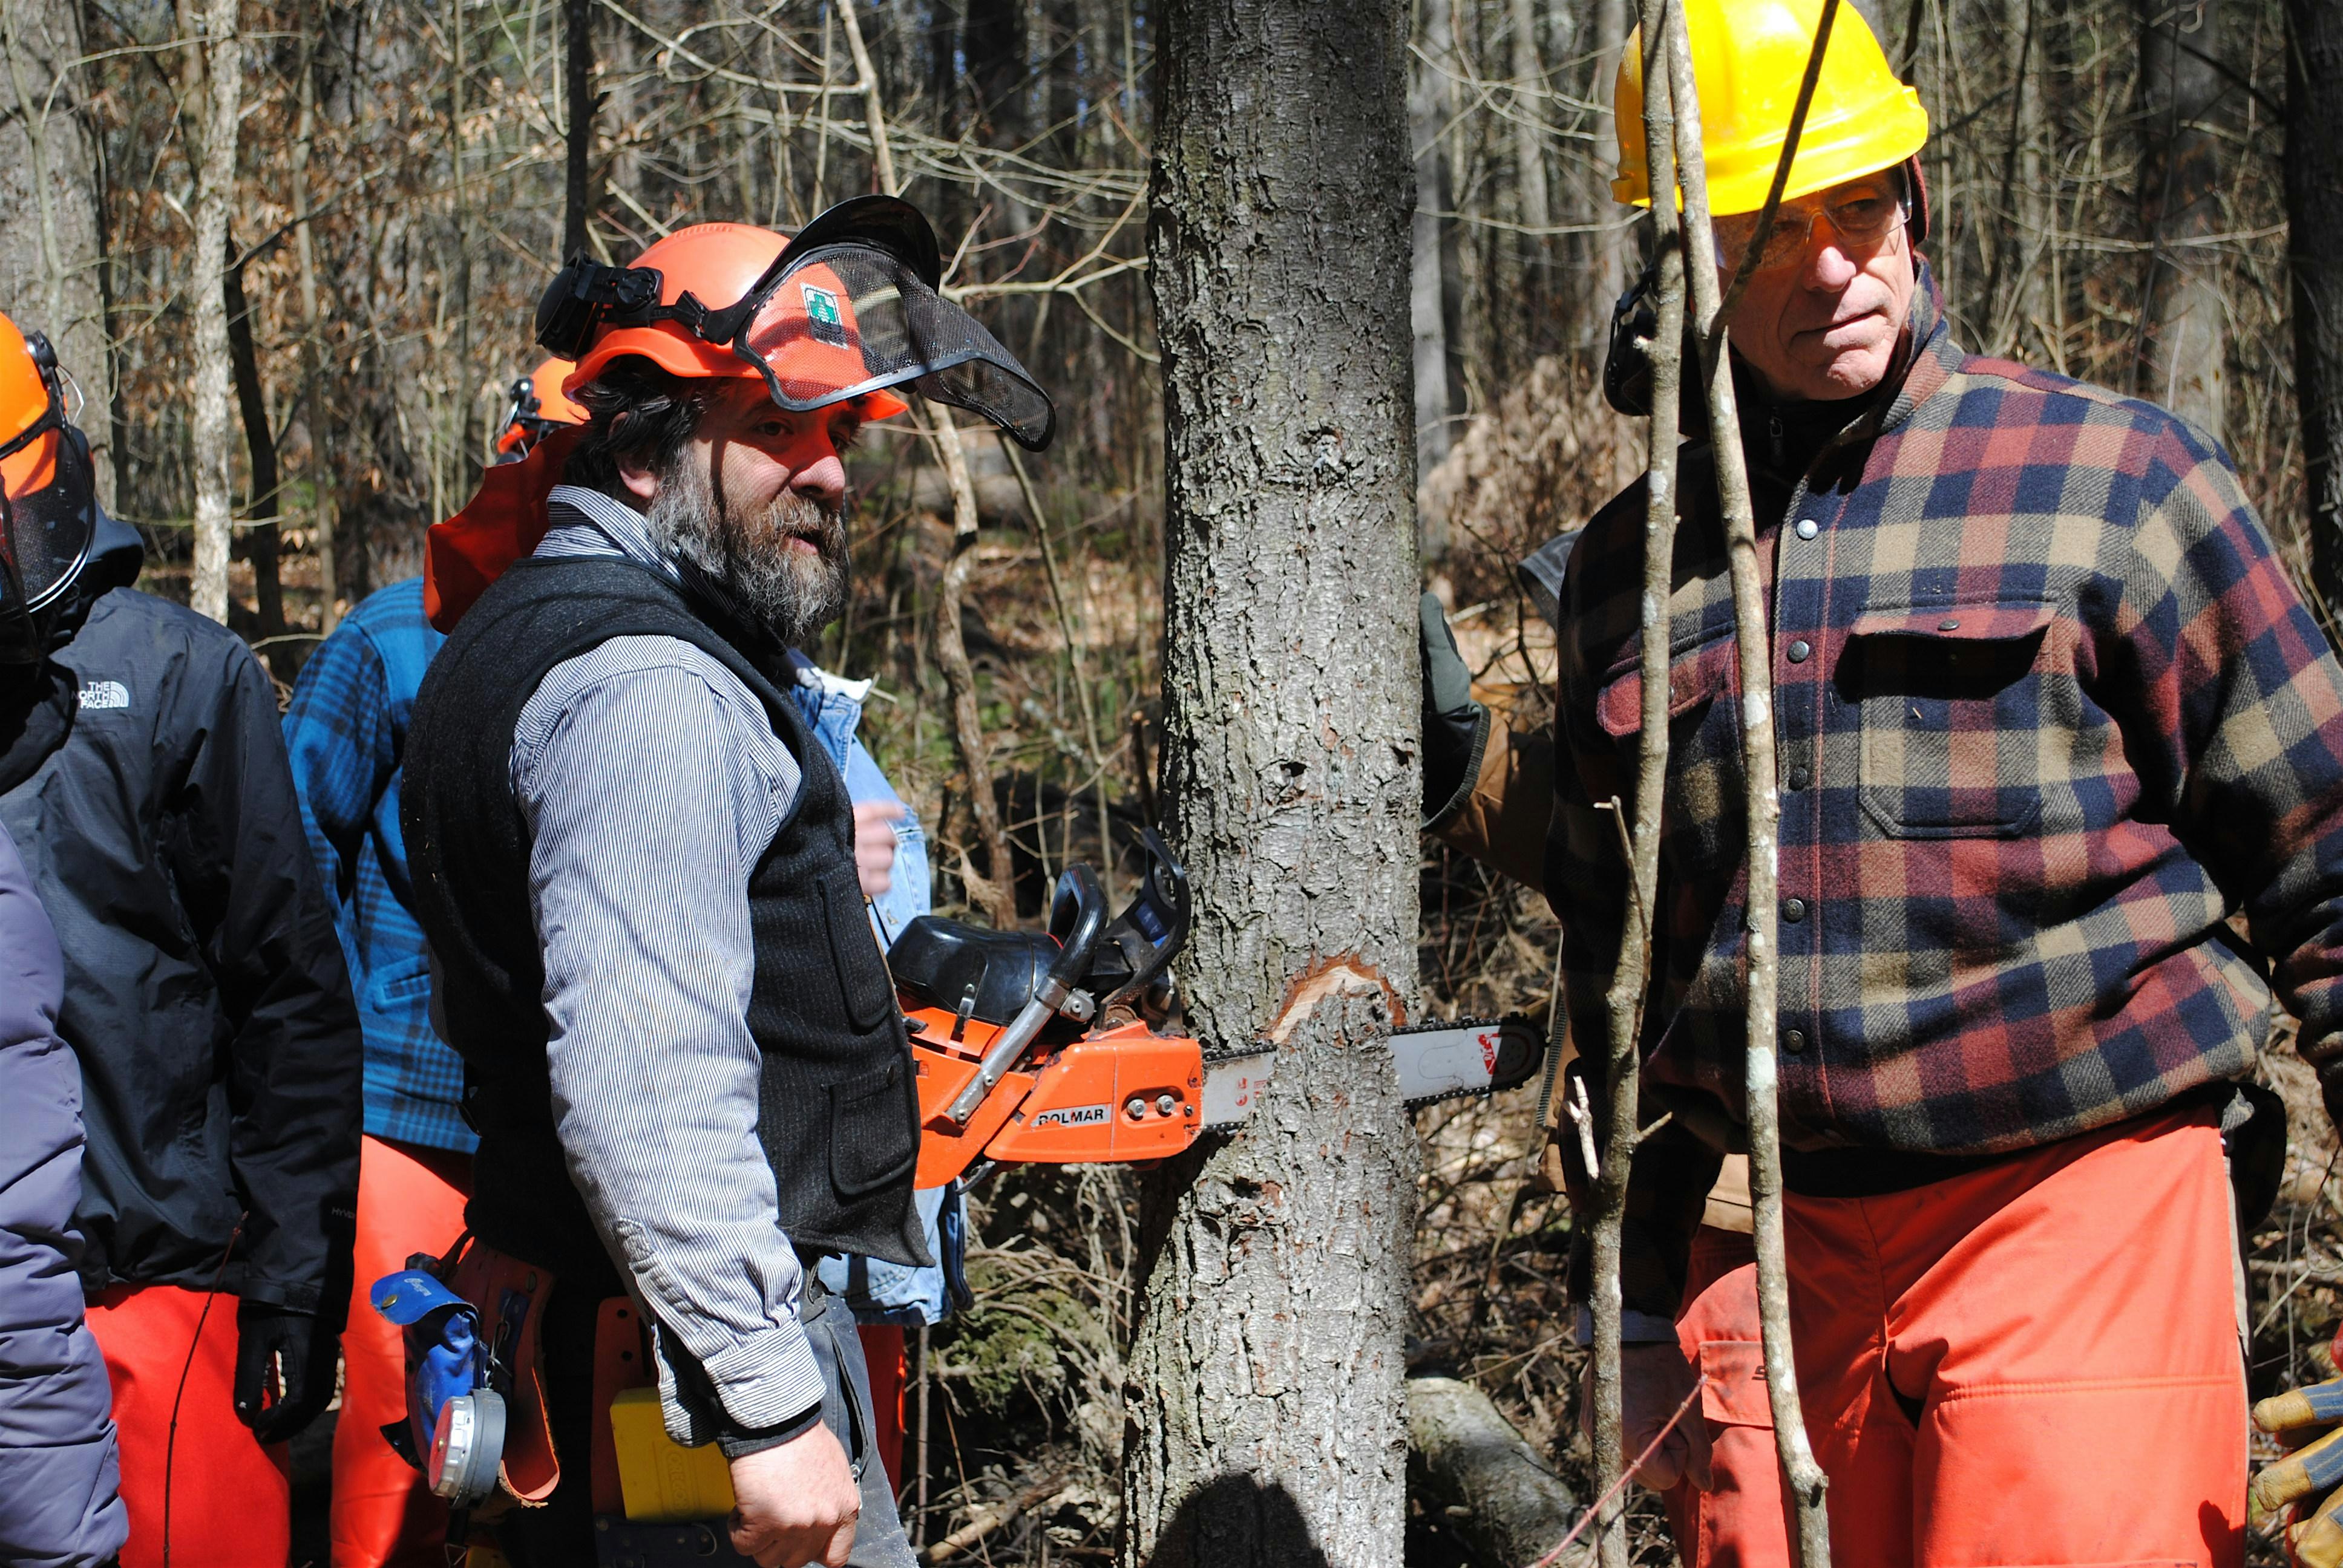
(280,1386)
(1455,727)
(2309,1421)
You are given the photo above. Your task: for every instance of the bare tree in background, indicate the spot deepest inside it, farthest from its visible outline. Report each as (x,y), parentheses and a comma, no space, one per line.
(2029,205)
(2314,200)
(212,77)
(1429,106)
(578,132)
(48,179)
(1264,1420)
(2183,361)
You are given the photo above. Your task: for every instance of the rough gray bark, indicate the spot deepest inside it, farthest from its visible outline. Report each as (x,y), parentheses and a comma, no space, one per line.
(1266,1423)
(2314,202)
(1493,1490)
(214,78)
(49,255)
(2186,344)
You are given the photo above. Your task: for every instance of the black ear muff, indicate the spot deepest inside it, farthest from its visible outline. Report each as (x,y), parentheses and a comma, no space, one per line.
(581,294)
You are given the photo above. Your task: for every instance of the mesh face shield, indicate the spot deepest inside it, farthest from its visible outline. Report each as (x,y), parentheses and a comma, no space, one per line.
(847,308)
(48,519)
(833,324)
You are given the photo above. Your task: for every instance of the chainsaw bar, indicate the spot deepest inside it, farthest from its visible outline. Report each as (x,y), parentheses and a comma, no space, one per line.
(1436,1061)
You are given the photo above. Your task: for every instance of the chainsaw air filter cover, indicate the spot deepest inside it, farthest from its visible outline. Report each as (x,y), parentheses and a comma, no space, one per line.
(940,963)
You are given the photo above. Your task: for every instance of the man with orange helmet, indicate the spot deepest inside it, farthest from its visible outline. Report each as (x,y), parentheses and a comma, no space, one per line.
(635,865)
(143,779)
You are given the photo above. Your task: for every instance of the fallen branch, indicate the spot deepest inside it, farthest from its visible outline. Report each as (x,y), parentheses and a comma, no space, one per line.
(986,1518)
(1489,1485)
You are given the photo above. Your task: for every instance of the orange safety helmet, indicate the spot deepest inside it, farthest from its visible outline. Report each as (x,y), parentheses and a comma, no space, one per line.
(538,408)
(842,312)
(48,503)
(846,311)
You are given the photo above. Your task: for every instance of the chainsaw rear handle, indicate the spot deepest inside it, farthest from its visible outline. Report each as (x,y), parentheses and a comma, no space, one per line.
(1078,915)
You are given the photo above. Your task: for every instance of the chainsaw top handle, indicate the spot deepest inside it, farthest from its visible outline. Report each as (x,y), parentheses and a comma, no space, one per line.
(1078,915)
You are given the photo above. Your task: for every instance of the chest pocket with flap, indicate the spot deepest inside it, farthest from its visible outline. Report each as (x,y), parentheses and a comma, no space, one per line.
(1949,707)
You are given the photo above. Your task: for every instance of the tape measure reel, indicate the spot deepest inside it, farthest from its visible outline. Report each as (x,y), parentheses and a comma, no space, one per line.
(466,1446)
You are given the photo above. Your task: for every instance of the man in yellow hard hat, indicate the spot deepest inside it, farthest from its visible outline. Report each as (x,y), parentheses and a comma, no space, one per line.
(2048,714)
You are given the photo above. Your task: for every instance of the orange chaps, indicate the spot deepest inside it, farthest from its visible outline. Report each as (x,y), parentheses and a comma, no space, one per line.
(229,1500)
(2031,1365)
(411,1200)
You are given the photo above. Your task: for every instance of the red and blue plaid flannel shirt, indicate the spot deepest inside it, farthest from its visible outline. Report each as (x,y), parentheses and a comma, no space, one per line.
(2048,712)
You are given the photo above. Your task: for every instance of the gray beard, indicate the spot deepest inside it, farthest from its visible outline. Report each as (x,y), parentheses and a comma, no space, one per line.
(750,562)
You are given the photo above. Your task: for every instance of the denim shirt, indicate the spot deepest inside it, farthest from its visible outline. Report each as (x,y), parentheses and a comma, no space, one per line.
(877,1291)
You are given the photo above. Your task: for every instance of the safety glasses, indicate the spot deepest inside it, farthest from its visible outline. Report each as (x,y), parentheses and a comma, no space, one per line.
(848,307)
(1862,212)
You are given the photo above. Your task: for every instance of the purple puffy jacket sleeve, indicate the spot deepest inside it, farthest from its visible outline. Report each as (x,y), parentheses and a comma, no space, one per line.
(58,1464)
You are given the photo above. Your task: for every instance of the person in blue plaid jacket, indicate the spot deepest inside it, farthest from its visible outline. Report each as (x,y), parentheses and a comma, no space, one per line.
(346,731)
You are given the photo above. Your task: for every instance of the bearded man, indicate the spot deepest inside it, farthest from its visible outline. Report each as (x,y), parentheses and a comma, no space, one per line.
(636,866)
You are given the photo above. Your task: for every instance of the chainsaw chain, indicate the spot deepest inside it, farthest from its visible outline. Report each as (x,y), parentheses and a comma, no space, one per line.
(1433,1026)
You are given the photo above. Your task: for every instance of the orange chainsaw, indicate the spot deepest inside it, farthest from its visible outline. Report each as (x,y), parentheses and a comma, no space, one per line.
(1050,1048)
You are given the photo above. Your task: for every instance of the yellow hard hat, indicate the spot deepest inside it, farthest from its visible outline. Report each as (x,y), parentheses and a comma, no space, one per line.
(1748,57)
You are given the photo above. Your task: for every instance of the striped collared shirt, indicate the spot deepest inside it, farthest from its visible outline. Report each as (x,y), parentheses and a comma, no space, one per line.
(652,783)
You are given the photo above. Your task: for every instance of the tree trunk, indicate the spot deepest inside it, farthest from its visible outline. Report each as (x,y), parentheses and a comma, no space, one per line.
(2024,196)
(323,519)
(48,178)
(1429,105)
(577,77)
(2314,202)
(1266,1422)
(1530,109)
(213,75)
(260,450)
(1612,247)
(2187,342)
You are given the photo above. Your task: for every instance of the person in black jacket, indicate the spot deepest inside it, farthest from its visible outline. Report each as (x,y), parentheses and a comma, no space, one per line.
(144,780)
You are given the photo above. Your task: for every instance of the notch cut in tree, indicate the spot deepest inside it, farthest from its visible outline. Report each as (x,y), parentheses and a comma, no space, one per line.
(1265,1413)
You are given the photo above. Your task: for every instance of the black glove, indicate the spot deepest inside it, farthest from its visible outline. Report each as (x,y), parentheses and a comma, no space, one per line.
(1455,727)
(280,1386)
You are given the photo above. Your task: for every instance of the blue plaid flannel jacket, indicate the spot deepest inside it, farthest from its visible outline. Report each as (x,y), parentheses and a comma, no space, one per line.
(346,733)
(2049,712)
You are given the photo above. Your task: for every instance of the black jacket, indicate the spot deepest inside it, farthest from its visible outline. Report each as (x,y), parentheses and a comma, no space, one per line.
(145,784)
